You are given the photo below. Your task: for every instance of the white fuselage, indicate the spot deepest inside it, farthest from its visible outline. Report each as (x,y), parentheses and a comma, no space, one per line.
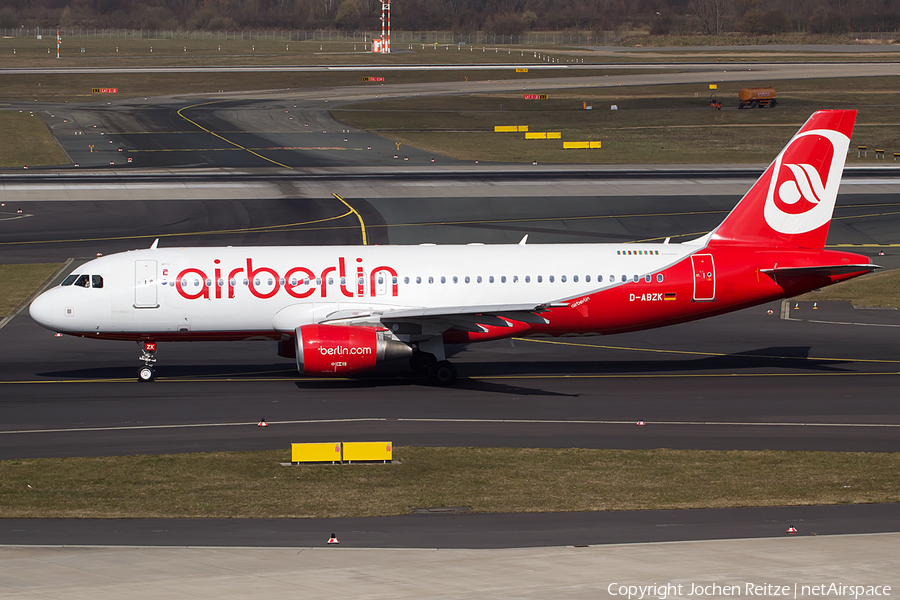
(259,290)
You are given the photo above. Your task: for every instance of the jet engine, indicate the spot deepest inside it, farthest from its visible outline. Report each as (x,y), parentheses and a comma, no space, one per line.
(341,349)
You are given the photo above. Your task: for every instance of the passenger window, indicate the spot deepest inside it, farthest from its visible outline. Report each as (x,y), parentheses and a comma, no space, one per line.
(478,279)
(318,281)
(624,278)
(455,279)
(246,281)
(647,278)
(563,279)
(599,278)
(551,279)
(659,277)
(330,281)
(208,283)
(528,279)
(280,281)
(256,281)
(467,279)
(443,279)
(540,279)
(232,282)
(515,279)
(491,279)
(406,280)
(380,280)
(293,281)
(83,281)
(96,281)
(430,279)
(503,279)
(197,283)
(418,280)
(636,278)
(575,278)
(587,278)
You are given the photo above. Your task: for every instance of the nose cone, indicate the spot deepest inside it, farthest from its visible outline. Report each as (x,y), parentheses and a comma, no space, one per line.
(41,310)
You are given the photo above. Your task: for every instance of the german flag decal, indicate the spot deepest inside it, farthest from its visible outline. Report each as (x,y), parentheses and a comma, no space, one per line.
(670,296)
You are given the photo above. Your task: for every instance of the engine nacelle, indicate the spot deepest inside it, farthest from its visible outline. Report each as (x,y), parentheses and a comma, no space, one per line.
(341,349)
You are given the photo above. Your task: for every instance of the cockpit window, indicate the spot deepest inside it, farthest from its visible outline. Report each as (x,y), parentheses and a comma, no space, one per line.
(70,279)
(83,281)
(96,281)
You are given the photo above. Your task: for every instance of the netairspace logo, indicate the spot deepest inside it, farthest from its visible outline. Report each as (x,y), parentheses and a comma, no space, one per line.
(822,590)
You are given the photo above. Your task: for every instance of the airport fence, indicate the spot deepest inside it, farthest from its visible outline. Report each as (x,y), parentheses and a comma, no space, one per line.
(331,35)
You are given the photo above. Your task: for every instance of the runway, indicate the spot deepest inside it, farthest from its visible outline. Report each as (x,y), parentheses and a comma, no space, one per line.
(825,380)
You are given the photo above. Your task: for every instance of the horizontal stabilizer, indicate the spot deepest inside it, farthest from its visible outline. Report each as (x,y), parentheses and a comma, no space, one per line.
(820,270)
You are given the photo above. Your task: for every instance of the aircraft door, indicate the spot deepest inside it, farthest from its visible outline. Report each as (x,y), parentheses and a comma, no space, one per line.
(145,284)
(381,284)
(704,277)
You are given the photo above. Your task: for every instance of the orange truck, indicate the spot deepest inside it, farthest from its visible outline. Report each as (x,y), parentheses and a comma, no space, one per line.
(757,98)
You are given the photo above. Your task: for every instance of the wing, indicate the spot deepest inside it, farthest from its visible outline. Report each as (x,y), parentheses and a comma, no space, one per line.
(463,318)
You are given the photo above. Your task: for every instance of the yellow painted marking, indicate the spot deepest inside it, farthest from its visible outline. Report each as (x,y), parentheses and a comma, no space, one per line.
(362,224)
(274,162)
(187,233)
(694,353)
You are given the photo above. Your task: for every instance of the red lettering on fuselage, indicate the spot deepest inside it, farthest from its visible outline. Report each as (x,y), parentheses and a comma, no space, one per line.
(298,282)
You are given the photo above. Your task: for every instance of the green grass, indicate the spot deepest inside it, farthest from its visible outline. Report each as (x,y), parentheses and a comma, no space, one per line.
(27,141)
(253,485)
(653,124)
(875,289)
(18,282)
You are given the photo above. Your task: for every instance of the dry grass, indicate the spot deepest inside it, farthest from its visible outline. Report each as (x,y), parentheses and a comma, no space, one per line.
(251,484)
(27,141)
(875,289)
(18,282)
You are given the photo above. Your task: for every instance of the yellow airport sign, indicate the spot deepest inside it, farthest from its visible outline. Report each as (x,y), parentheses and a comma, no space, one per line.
(713,86)
(521,70)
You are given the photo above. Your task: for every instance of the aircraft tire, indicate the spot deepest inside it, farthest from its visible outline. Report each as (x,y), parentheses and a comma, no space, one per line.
(442,374)
(146,374)
(422,362)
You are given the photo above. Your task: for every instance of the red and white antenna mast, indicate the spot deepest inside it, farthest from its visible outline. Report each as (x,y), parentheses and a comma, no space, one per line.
(384,44)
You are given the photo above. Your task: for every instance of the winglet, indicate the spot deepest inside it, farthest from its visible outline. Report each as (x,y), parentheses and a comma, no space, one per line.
(154,244)
(524,239)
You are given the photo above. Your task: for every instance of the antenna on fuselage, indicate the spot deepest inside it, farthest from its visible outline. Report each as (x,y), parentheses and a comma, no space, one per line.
(524,239)
(667,240)
(154,244)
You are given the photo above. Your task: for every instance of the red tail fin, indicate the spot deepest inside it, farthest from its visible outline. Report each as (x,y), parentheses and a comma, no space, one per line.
(793,201)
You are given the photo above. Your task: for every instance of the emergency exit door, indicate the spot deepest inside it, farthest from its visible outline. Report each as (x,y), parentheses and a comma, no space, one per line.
(145,288)
(704,277)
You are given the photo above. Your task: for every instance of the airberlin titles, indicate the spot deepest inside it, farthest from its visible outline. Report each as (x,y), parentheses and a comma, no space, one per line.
(298,282)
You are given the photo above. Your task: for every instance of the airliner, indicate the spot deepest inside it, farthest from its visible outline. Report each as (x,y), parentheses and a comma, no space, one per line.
(340,310)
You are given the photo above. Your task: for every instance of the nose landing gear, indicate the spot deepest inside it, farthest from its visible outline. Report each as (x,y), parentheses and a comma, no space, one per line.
(148,356)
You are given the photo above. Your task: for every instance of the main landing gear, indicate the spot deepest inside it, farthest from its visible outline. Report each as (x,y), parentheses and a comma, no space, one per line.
(440,372)
(147,372)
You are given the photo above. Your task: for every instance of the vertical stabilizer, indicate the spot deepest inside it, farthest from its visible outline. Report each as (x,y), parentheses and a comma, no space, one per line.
(792,203)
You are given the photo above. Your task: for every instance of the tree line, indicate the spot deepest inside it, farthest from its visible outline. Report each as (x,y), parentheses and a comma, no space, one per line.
(502,17)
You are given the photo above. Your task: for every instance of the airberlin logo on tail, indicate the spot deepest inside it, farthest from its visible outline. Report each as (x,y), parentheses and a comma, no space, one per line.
(805,180)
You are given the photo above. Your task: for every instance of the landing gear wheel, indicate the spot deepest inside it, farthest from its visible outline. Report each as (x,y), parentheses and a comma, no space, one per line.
(146,374)
(442,374)
(422,362)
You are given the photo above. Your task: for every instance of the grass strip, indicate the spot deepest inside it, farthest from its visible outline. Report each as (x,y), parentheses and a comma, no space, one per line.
(875,289)
(27,141)
(18,282)
(651,124)
(253,485)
